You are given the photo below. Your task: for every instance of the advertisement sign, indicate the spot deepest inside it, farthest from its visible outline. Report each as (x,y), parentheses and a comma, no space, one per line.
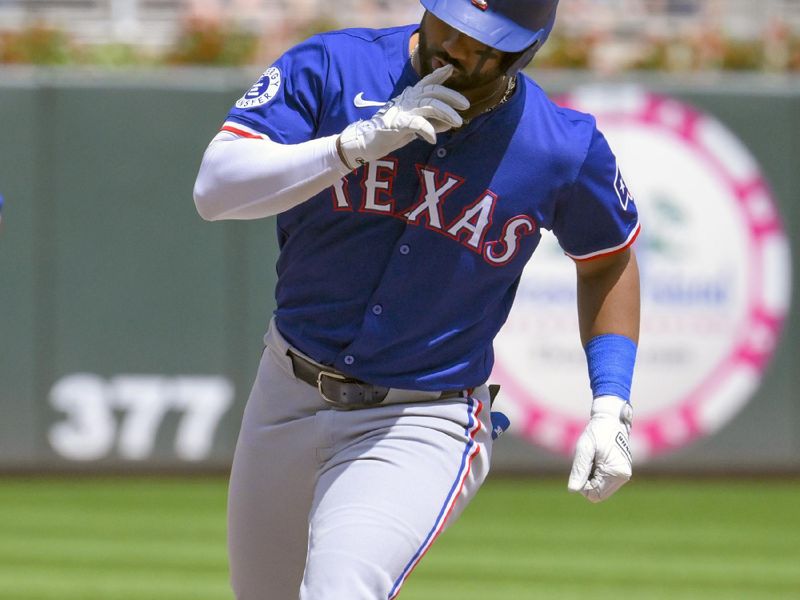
(715,272)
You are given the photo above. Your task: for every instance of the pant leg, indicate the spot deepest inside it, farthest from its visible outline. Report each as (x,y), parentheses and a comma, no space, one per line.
(272,482)
(395,477)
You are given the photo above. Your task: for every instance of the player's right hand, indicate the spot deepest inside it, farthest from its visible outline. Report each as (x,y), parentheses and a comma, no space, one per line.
(421,110)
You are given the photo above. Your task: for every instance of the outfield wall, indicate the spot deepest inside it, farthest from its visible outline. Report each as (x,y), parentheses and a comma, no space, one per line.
(130,329)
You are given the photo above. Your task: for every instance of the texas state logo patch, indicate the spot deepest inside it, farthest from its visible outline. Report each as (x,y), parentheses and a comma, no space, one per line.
(262,91)
(623,192)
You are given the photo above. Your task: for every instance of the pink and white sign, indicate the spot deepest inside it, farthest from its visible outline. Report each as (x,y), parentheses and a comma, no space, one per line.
(715,267)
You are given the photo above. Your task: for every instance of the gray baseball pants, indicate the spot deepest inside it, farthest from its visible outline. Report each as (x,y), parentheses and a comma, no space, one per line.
(328,504)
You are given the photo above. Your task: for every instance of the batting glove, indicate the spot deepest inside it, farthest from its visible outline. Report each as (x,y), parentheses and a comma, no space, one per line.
(603,458)
(422,110)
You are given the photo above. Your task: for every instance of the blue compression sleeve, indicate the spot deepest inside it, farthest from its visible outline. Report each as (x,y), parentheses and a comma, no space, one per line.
(610,358)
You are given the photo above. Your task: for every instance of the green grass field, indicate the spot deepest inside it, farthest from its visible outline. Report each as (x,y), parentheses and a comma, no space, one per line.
(164,539)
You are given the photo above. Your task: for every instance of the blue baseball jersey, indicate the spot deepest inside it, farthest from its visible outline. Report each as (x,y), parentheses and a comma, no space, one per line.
(403,273)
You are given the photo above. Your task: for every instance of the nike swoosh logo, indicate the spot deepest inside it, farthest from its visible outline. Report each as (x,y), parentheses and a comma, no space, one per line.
(359,101)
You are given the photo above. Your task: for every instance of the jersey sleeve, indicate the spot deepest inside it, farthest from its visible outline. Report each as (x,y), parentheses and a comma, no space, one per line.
(287,100)
(597,215)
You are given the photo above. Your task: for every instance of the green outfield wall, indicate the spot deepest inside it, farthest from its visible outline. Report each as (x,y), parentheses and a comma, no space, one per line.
(130,328)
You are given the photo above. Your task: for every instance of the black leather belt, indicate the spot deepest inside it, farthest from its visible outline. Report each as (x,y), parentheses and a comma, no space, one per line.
(343,391)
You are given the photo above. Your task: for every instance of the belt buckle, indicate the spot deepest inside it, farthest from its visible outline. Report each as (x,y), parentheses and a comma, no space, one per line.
(332,375)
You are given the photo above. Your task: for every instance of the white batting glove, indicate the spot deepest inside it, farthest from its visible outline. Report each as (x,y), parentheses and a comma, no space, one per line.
(422,110)
(603,458)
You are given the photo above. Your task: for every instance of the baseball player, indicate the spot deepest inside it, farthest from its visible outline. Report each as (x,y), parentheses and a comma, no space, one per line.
(411,170)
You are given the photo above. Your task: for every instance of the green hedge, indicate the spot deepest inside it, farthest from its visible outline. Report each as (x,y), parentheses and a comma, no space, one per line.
(217,43)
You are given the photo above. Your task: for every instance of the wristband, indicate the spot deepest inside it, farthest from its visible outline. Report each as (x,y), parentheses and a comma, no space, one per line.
(610,358)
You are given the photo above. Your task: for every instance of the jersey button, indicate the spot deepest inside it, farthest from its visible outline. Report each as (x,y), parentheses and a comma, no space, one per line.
(405,249)
(441,152)
(349,359)
(377,309)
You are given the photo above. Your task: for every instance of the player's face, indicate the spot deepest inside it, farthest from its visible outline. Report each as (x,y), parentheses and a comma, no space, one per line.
(476,64)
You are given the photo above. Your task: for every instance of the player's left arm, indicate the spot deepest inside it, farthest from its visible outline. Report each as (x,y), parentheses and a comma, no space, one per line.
(608,296)
(608,314)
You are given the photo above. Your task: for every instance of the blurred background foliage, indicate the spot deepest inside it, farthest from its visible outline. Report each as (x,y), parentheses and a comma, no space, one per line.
(199,42)
(211,42)
(218,41)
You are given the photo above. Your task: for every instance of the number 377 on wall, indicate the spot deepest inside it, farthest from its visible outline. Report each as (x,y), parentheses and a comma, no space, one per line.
(126,411)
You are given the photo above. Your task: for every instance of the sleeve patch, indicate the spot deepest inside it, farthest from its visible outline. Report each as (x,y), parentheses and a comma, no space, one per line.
(623,191)
(262,91)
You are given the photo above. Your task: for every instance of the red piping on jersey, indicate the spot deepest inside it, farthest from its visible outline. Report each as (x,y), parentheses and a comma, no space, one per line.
(240,132)
(612,252)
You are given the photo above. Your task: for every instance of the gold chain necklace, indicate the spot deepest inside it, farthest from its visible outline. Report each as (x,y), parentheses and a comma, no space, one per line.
(512,83)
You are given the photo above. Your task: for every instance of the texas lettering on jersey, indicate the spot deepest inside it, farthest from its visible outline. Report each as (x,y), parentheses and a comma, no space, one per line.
(466,214)
(469,228)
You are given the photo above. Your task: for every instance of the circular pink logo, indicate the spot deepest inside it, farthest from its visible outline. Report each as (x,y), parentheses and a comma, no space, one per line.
(715,267)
